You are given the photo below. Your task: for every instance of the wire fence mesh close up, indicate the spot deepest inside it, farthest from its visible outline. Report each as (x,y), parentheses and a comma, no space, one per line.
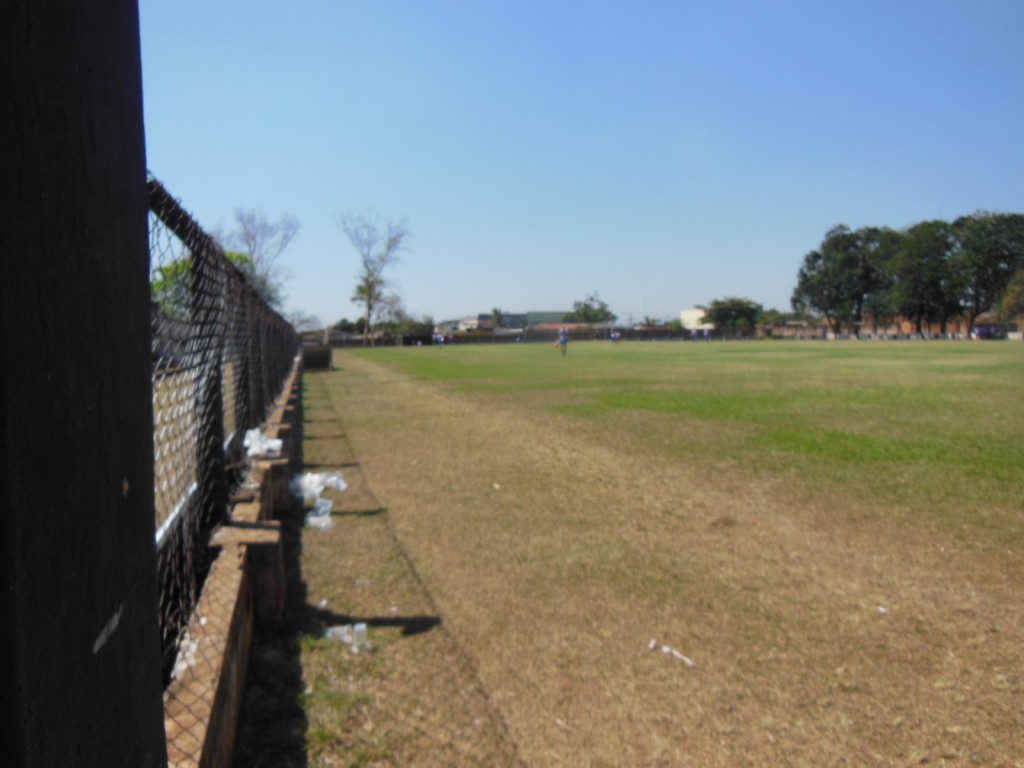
(220,357)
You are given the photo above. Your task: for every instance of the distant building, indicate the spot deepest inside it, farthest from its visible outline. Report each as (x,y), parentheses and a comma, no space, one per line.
(459,324)
(508,320)
(693,320)
(513,320)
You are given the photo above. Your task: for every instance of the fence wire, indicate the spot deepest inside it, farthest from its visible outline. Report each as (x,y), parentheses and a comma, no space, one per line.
(220,358)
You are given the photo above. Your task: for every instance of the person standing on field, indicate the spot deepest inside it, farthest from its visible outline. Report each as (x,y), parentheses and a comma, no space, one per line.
(563,339)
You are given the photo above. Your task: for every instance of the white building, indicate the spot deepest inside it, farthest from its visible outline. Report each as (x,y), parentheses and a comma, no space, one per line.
(462,324)
(692,320)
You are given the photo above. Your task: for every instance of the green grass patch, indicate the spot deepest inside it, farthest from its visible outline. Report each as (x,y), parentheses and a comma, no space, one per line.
(926,431)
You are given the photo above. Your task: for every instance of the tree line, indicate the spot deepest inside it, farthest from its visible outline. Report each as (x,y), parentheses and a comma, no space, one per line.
(930,273)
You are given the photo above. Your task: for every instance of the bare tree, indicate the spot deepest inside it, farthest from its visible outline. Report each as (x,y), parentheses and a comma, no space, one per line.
(304,322)
(378,245)
(263,242)
(392,310)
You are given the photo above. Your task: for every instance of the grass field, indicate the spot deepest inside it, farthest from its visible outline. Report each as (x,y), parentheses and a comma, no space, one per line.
(929,434)
(833,533)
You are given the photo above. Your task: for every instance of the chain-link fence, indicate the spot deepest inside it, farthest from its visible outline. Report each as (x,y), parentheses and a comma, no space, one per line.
(220,357)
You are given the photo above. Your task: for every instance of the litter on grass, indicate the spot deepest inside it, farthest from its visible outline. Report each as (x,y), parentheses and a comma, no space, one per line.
(323,522)
(355,635)
(320,515)
(342,633)
(311,484)
(669,651)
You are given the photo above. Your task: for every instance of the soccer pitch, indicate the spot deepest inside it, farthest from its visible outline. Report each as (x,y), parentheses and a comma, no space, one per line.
(830,532)
(926,432)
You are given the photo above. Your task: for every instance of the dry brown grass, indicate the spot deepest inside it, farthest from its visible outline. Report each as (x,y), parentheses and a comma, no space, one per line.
(415,699)
(551,556)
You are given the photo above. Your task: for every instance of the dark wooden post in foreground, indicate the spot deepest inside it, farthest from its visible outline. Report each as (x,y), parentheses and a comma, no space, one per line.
(81,681)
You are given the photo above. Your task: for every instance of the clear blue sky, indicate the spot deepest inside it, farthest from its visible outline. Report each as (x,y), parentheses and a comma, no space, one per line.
(663,154)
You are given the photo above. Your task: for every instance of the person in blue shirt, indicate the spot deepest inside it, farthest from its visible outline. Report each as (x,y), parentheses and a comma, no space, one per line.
(563,339)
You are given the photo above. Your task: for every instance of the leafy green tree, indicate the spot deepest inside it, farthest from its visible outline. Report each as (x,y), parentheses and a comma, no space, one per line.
(347,326)
(990,251)
(590,310)
(926,286)
(498,317)
(877,247)
(733,316)
(880,246)
(171,286)
(172,283)
(826,281)
(769,319)
(851,276)
(1011,304)
(396,320)
(259,244)
(421,326)
(844,277)
(929,273)
(269,288)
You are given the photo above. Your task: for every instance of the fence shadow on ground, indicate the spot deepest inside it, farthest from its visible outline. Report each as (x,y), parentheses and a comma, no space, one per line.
(372,512)
(321,619)
(331,466)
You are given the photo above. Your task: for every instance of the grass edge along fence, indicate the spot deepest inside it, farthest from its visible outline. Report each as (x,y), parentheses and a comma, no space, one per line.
(220,358)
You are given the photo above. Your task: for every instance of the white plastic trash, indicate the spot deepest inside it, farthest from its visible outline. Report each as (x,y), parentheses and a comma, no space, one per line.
(341,633)
(323,522)
(311,484)
(355,635)
(360,638)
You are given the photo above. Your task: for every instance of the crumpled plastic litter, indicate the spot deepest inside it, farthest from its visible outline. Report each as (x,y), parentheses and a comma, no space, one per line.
(355,635)
(341,633)
(670,651)
(311,484)
(320,515)
(258,444)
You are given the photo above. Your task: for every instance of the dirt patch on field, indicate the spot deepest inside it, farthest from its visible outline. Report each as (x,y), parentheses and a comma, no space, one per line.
(545,557)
